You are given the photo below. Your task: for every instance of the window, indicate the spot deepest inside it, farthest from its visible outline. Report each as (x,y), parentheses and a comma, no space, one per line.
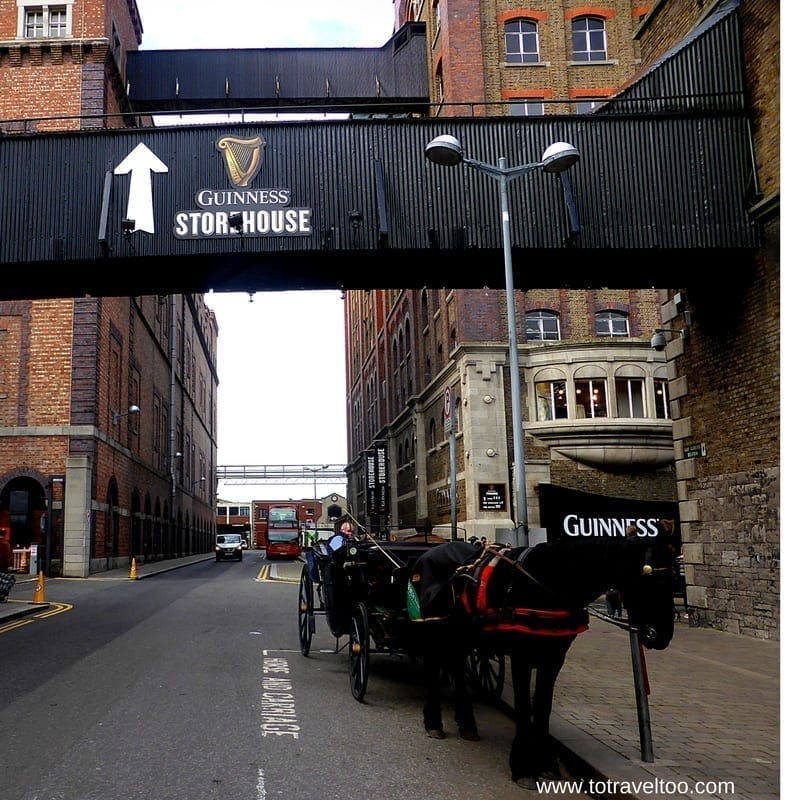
(662,398)
(522,41)
(45,21)
(611,323)
(551,400)
(57,22)
(526,108)
(34,23)
(541,326)
(587,106)
(630,397)
(590,398)
(589,39)
(116,44)
(439,86)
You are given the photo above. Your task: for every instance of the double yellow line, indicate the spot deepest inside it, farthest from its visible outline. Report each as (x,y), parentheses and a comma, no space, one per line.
(263,573)
(51,610)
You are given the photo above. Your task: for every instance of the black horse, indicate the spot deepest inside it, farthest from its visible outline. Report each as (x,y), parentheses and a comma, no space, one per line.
(530,603)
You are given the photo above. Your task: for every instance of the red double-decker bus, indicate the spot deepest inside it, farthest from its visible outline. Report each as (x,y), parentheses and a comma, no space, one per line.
(282,533)
(280,526)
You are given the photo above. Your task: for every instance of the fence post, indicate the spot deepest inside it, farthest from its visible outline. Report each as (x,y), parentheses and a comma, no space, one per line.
(642,706)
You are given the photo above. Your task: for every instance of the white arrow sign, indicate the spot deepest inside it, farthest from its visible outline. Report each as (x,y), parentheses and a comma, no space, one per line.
(140,162)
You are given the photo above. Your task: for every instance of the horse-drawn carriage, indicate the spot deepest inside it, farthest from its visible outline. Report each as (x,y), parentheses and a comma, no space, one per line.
(465,609)
(361,586)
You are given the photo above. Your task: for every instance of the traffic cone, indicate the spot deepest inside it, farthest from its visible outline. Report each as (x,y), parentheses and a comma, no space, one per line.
(38,595)
(132,575)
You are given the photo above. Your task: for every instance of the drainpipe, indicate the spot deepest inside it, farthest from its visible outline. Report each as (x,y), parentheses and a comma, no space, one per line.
(173,314)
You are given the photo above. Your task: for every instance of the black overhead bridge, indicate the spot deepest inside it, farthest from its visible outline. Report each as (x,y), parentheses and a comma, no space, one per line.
(387,80)
(283,473)
(663,187)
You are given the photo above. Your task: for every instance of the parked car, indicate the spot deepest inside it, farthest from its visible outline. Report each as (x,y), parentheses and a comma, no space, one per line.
(229,546)
(244,543)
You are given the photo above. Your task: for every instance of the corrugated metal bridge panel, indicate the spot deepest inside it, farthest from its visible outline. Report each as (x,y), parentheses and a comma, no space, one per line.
(644,184)
(206,79)
(704,71)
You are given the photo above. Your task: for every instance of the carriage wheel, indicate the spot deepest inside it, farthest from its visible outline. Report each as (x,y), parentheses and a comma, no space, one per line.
(486,672)
(359,651)
(305,610)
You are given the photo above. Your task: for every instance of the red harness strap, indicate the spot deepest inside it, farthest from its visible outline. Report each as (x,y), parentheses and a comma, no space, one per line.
(523,621)
(535,622)
(483,569)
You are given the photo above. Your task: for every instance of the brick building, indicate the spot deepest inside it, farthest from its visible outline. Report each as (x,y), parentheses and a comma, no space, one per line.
(522,59)
(721,381)
(107,404)
(490,57)
(726,376)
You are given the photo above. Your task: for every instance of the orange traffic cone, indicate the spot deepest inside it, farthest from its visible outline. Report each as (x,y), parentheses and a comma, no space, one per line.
(132,575)
(38,595)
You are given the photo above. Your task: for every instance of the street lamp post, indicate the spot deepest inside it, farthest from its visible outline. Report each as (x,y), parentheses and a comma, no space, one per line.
(447,151)
(116,416)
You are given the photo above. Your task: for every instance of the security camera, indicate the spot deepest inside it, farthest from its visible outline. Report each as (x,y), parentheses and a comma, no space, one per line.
(659,341)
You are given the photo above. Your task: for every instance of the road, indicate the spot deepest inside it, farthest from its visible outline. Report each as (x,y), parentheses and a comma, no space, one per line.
(191,686)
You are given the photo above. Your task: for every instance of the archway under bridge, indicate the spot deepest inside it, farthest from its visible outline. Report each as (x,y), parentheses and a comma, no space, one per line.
(352,204)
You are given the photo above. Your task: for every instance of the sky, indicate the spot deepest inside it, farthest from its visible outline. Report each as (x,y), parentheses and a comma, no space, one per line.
(280,355)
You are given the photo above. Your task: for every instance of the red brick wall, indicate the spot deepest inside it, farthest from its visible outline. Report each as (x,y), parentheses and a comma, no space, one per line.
(730,498)
(471,48)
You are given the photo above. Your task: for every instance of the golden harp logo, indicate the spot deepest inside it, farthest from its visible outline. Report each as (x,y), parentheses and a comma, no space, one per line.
(243,158)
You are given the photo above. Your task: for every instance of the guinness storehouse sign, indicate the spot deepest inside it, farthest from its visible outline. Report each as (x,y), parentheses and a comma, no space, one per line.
(242,209)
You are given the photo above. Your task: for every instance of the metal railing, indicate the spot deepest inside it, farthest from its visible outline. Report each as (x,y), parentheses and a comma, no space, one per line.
(283,473)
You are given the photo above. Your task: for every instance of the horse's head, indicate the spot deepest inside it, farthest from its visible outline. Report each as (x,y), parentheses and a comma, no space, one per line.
(647,583)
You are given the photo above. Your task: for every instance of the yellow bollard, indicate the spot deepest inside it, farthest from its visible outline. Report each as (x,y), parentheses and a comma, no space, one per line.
(132,575)
(38,595)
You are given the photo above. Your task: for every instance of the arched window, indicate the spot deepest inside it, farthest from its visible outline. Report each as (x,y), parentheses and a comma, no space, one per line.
(522,41)
(551,395)
(611,323)
(629,386)
(661,386)
(542,325)
(590,393)
(589,39)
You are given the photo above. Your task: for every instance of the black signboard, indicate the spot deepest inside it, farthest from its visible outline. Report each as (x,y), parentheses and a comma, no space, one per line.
(491,497)
(585,516)
(377,481)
